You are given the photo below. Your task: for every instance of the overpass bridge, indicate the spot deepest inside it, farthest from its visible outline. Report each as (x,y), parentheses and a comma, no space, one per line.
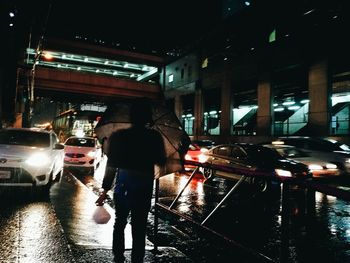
(71,69)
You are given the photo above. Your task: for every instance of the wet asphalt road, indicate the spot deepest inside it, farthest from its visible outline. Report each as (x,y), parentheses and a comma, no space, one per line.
(38,229)
(30,231)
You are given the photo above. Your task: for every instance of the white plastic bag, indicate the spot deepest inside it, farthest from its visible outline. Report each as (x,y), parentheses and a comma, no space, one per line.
(101,215)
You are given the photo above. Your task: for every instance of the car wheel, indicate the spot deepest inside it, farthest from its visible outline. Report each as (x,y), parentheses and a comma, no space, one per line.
(91,170)
(45,189)
(261,185)
(208,172)
(58,176)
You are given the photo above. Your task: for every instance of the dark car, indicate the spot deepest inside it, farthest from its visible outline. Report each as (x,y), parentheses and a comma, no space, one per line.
(207,144)
(253,159)
(327,149)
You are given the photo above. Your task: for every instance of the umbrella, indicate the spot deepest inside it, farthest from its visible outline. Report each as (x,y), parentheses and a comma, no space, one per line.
(165,121)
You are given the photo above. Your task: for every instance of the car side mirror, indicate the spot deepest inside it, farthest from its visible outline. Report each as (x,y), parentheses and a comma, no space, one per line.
(58,146)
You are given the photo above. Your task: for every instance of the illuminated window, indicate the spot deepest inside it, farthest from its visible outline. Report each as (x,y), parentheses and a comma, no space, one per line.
(272,36)
(171,78)
(205,63)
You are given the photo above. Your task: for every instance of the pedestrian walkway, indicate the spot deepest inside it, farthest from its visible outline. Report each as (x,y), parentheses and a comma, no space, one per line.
(74,205)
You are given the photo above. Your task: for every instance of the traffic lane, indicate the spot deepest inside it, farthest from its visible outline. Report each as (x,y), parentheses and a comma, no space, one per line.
(30,231)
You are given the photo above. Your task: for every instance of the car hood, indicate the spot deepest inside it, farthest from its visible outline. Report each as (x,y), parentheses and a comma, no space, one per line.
(310,160)
(291,165)
(19,151)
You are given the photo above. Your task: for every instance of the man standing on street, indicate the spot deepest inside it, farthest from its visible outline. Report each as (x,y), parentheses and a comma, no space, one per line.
(132,155)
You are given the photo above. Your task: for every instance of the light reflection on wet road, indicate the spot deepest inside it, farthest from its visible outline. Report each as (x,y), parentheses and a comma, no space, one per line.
(255,221)
(25,224)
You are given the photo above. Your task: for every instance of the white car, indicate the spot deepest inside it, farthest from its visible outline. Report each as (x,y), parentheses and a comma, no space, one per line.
(322,148)
(30,157)
(82,152)
(320,168)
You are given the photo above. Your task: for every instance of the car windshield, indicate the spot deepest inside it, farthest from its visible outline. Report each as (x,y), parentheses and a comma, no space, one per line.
(82,142)
(26,138)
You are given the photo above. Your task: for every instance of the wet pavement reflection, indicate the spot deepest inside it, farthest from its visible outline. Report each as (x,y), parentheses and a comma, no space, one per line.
(29,230)
(254,220)
(75,209)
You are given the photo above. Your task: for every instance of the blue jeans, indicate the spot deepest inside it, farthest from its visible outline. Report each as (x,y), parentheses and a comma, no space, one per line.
(133,194)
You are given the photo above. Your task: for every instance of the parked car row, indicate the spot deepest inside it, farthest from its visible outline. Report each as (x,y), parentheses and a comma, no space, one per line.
(33,157)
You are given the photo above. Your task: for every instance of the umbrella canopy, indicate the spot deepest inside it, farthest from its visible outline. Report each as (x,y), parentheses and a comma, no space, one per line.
(165,121)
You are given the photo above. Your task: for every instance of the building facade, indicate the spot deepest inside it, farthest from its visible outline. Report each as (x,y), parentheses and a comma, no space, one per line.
(291,80)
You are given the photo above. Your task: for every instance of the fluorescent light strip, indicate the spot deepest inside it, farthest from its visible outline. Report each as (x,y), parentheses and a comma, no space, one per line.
(86,69)
(94,60)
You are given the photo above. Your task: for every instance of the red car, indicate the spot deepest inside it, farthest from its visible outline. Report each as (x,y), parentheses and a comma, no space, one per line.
(195,153)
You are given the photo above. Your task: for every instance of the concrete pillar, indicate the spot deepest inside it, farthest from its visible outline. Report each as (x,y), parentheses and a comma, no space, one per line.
(319,96)
(226,106)
(264,115)
(198,112)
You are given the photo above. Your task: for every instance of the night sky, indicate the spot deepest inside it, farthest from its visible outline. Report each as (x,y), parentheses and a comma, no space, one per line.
(147,24)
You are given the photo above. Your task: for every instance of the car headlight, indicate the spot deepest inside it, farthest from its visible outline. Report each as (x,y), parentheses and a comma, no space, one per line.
(331,166)
(202,158)
(347,160)
(38,159)
(91,154)
(284,173)
(315,167)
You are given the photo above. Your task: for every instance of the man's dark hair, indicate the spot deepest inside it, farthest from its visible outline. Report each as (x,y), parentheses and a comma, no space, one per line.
(141,111)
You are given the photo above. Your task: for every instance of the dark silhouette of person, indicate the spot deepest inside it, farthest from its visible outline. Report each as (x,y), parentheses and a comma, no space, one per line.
(132,155)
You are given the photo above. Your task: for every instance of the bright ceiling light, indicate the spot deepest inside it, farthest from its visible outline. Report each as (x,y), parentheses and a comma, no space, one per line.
(294,107)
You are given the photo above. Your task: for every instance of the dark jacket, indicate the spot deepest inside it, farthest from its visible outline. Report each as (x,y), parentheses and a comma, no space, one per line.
(136,148)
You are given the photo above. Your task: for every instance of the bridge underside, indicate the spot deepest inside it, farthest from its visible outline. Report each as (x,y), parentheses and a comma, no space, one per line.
(69,85)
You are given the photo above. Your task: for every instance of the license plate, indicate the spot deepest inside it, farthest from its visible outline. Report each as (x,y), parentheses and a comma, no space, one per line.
(5,174)
(74,160)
